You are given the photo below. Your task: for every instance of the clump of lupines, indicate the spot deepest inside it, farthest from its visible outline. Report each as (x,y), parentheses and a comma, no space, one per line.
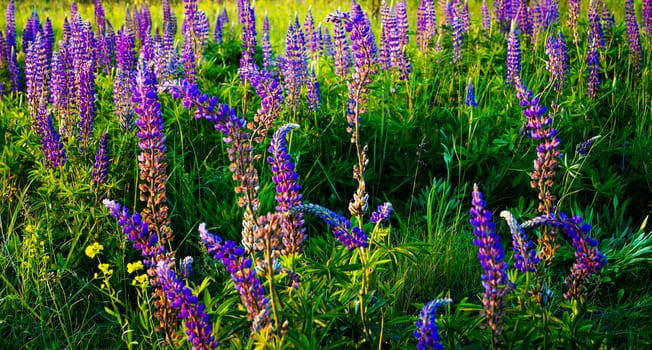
(557,63)
(199,330)
(101,166)
(426,333)
(634,37)
(513,57)
(426,25)
(491,256)
(470,95)
(288,191)
(339,225)
(525,255)
(252,292)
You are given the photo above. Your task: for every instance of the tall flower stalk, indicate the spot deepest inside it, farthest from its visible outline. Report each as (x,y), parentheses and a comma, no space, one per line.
(634,37)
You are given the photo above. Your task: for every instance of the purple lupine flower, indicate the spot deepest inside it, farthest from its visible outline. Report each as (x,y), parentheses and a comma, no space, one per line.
(266,46)
(189,36)
(101,166)
(53,149)
(593,60)
(32,28)
(218,31)
(14,71)
(426,333)
(523,15)
(294,66)
(186,268)
(196,321)
(137,231)
(607,17)
(491,254)
(314,93)
(382,213)
(457,40)
(169,19)
(100,18)
(247,19)
(327,44)
(633,35)
(387,36)
(252,292)
(36,78)
(584,147)
(151,161)
(646,14)
(60,96)
(557,63)
(525,257)
(10,29)
(402,23)
(144,20)
(464,16)
(201,32)
(48,36)
(271,103)
(341,226)
(573,16)
(486,17)
(470,101)
(313,46)
(426,25)
(513,57)
(125,69)
(596,26)
(86,103)
(589,261)
(288,191)
(341,47)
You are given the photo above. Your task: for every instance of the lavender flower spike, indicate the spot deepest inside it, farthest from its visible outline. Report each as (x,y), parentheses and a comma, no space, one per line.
(470,95)
(426,333)
(635,51)
(101,167)
(513,57)
(526,257)
(199,330)
(491,254)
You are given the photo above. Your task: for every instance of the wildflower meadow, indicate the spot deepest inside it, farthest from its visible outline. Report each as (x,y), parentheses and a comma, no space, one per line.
(308,174)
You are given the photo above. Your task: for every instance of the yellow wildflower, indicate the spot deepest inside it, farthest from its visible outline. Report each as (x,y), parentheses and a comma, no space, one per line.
(93,249)
(105,268)
(131,267)
(141,281)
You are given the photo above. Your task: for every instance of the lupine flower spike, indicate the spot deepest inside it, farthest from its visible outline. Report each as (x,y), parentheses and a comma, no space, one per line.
(470,95)
(525,257)
(426,333)
(341,227)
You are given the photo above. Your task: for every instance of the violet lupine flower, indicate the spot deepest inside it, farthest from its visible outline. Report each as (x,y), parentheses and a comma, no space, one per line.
(595,24)
(125,69)
(382,213)
(470,101)
(52,147)
(101,166)
(14,71)
(60,96)
(218,32)
(491,254)
(189,37)
(288,191)
(186,268)
(314,93)
(464,16)
(426,25)
(341,48)
(252,292)
(36,77)
(151,160)
(271,103)
(294,66)
(313,45)
(341,226)
(266,46)
(402,23)
(457,40)
(327,44)
(573,16)
(427,333)
(523,16)
(607,17)
(513,57)
(199,330)
(201,32)
(584,147)
(100,18)
(589,261)
(86,103)
(486,18)
(169,19)
(48,37)
(634,37)
(10,29)
(387,36)
(247,19)
(593,60)
(557,63)
(525,257)
(137,231)
(646,14)
(32,28)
